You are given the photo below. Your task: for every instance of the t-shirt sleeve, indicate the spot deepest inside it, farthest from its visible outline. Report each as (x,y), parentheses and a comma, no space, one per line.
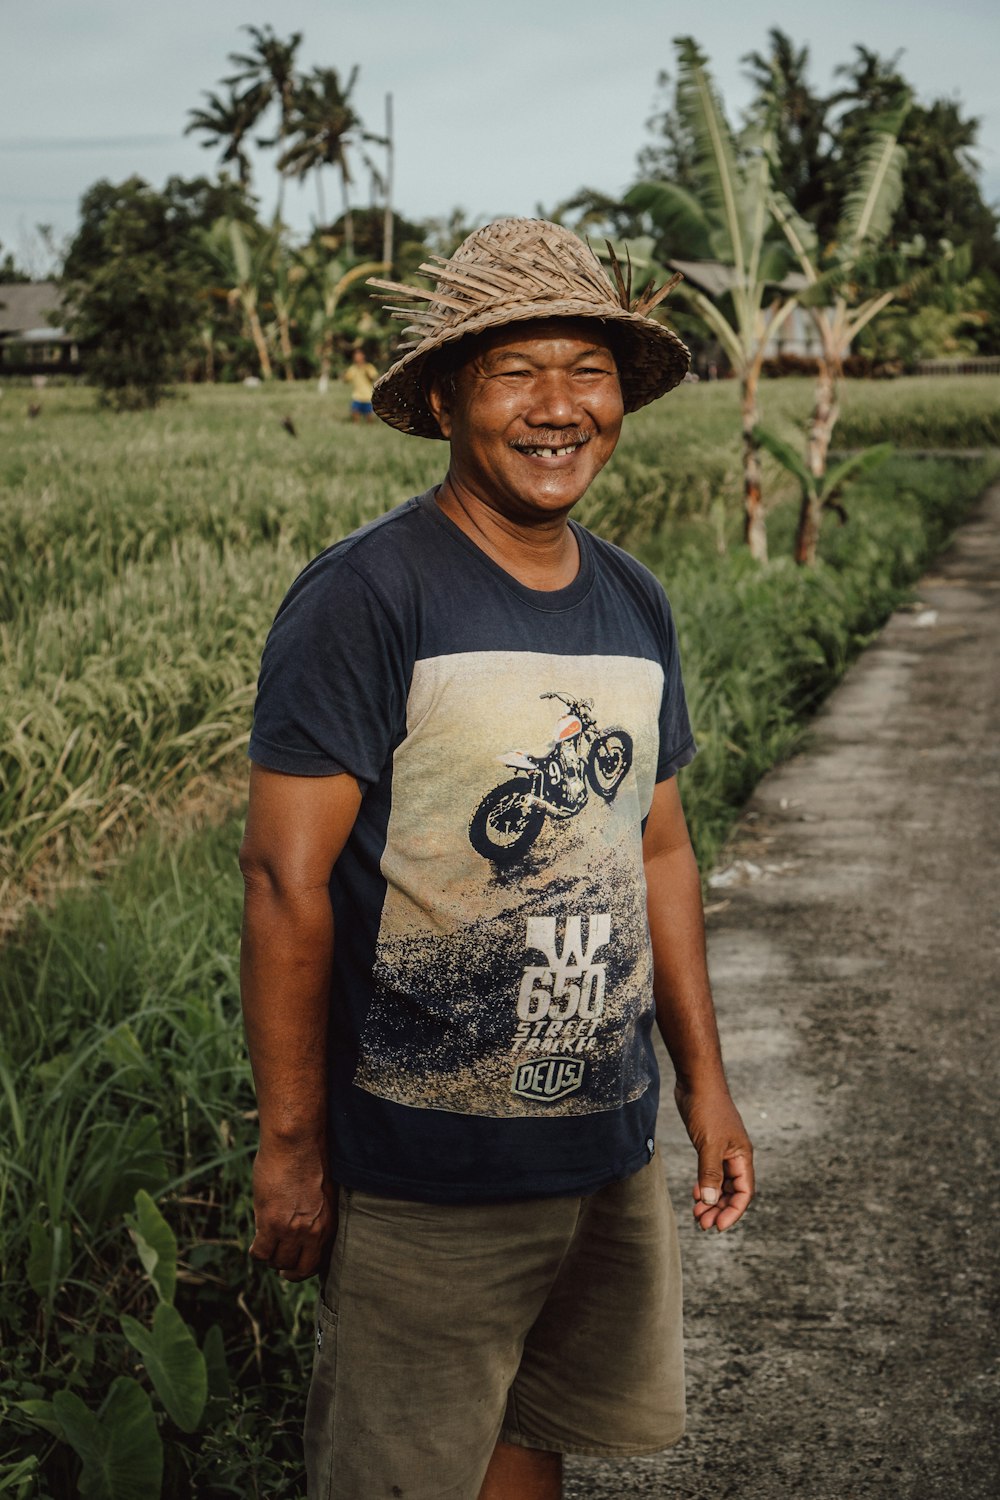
(331,696)
(677,742)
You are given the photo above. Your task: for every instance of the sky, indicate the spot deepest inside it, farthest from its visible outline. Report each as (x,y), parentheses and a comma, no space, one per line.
(499,107)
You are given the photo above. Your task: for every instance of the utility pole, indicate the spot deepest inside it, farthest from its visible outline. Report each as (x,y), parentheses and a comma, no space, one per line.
(388,223)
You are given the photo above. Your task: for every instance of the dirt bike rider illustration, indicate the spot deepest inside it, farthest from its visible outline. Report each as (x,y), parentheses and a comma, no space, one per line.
(581,758)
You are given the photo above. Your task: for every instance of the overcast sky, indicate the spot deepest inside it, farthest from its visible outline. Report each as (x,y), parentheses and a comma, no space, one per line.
(499,106)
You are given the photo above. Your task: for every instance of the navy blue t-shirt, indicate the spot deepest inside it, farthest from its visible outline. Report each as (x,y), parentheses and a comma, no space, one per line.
(491,1010)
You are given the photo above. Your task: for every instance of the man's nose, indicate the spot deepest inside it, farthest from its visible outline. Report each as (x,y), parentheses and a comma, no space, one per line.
(554,401)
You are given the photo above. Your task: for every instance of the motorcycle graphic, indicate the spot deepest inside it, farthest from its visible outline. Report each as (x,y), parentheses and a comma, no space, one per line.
(580,760)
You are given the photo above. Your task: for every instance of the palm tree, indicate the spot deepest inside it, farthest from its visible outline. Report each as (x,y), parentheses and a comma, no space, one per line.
(268,71)
(834,298)
(727,219)
(325,124)
(225,120)
(802,158)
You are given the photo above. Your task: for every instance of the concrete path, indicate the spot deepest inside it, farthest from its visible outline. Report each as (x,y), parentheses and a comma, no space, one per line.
(840,1341)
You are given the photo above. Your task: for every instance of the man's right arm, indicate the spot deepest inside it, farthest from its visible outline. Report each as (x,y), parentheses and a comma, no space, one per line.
(296,829)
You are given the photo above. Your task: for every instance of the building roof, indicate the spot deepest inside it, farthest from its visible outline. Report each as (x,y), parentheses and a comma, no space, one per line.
(28,307)
(715,277)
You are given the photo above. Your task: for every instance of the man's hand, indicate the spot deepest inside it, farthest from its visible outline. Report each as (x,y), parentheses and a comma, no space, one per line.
(725,1183)
(295,1210)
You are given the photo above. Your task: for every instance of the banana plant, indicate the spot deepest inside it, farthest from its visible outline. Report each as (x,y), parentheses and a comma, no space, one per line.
(819,492)
(833,300)
(243,258)
(728,220)
(330,277)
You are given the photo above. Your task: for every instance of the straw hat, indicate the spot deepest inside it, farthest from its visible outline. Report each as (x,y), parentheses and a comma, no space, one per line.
(511,271)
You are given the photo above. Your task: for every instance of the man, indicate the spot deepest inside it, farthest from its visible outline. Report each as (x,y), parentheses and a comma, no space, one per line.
(454,951)
(360,377)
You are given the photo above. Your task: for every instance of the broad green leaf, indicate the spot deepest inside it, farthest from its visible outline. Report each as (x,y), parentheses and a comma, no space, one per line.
(156,1245)
(214,1350)
(42,1414)
(677,214)
(48,1257)
(123,1048)
(721,183)
(54,1069)
(876,185)
(786,456)
(174,1363)
(857,463)
(120,1446)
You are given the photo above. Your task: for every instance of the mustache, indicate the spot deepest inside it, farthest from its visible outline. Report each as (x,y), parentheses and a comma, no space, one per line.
(554,437)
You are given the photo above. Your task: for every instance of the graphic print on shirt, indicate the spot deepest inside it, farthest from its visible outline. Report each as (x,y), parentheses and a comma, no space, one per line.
(581,758)
(520,986)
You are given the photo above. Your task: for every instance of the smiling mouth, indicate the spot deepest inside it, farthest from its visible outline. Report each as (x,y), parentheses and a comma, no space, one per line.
(540,450)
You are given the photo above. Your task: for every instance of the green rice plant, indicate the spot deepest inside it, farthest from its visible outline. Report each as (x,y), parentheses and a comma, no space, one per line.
(142,558)
(947,411)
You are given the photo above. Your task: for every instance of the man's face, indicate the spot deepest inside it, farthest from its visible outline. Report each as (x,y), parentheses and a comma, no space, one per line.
(532,416)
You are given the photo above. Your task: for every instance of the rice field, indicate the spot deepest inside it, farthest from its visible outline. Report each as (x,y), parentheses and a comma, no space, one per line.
(141,560)
(142,557)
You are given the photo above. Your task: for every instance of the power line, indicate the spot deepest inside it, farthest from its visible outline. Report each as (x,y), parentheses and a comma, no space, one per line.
(88,143)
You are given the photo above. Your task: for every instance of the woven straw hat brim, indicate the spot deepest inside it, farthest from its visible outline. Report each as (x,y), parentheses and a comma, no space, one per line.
(653,359)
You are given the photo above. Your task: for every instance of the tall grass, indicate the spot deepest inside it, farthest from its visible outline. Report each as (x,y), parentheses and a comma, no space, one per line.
(123,1068)
(142,558)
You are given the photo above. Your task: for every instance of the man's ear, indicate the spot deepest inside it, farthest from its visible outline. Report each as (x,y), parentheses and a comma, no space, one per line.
(440,396)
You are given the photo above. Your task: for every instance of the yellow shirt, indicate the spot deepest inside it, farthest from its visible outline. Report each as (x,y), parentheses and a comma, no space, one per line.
(361,379)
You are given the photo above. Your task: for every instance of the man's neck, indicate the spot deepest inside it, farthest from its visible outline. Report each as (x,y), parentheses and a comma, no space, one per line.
(543,555)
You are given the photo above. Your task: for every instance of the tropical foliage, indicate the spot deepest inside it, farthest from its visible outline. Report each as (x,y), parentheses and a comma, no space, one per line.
(726,217)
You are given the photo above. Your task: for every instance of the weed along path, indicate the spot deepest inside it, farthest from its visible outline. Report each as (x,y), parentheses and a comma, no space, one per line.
(840,1341)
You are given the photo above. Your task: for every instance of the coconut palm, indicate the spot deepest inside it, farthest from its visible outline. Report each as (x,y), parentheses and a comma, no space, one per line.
(835,299)
(267,72)
(728,220)
(802,165)
(324,125)
(225,121)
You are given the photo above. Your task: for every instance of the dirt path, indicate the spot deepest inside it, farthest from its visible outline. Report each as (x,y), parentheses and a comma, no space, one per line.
(840,1343)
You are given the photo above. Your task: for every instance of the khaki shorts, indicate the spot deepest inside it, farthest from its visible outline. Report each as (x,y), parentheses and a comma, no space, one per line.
(552,1323)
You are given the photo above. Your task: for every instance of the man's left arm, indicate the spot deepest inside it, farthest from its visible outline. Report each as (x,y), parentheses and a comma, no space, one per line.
(685,1015)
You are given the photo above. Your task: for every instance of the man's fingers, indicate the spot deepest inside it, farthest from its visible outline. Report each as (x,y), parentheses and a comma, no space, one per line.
(263,1246)
(721,1197)
(733,1211)
(295,1248)
(710,1175)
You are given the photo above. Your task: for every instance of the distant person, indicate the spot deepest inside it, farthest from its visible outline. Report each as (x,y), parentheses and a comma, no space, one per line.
(361,377)
(456,952)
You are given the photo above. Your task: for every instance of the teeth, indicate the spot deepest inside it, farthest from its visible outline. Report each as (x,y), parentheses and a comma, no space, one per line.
(553,452)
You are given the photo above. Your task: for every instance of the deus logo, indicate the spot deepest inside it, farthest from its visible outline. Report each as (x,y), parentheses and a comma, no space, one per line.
(548,1078)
